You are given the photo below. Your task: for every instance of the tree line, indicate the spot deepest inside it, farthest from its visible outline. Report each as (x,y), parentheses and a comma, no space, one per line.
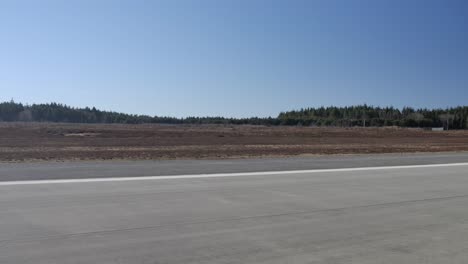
(54,112)
(360,115)
(365,115)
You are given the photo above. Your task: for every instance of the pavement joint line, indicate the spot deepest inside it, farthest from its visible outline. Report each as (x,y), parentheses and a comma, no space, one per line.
(221,175)
(207,221)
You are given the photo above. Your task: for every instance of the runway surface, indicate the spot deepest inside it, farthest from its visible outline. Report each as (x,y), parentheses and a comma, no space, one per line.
(110,169)
(412,214)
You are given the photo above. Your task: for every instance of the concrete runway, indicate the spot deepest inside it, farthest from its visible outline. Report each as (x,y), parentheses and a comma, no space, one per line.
(399,215)
(106,169)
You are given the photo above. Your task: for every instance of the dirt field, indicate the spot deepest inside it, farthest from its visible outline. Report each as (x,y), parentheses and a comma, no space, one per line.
(45,141)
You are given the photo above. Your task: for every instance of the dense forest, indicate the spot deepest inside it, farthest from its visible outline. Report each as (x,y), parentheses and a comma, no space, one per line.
(54,112)
(361,115)
(364,115)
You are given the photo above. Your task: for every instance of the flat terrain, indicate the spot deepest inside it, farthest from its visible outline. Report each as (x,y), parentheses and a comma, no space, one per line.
(24,171)
(46,141)
(392,215)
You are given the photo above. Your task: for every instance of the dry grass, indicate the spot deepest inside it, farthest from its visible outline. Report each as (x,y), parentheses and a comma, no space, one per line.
(47,141)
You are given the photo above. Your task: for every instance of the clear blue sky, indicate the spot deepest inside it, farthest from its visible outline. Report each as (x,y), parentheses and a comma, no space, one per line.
(234,57)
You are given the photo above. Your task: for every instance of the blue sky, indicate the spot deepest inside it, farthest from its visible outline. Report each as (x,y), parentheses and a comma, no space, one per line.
(234,58)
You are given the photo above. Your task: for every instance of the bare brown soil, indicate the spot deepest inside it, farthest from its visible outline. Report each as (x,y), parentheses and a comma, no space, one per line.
(46,141)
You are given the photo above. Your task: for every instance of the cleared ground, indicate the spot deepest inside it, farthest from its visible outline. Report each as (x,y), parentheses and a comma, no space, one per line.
(399,215)
(46,141)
